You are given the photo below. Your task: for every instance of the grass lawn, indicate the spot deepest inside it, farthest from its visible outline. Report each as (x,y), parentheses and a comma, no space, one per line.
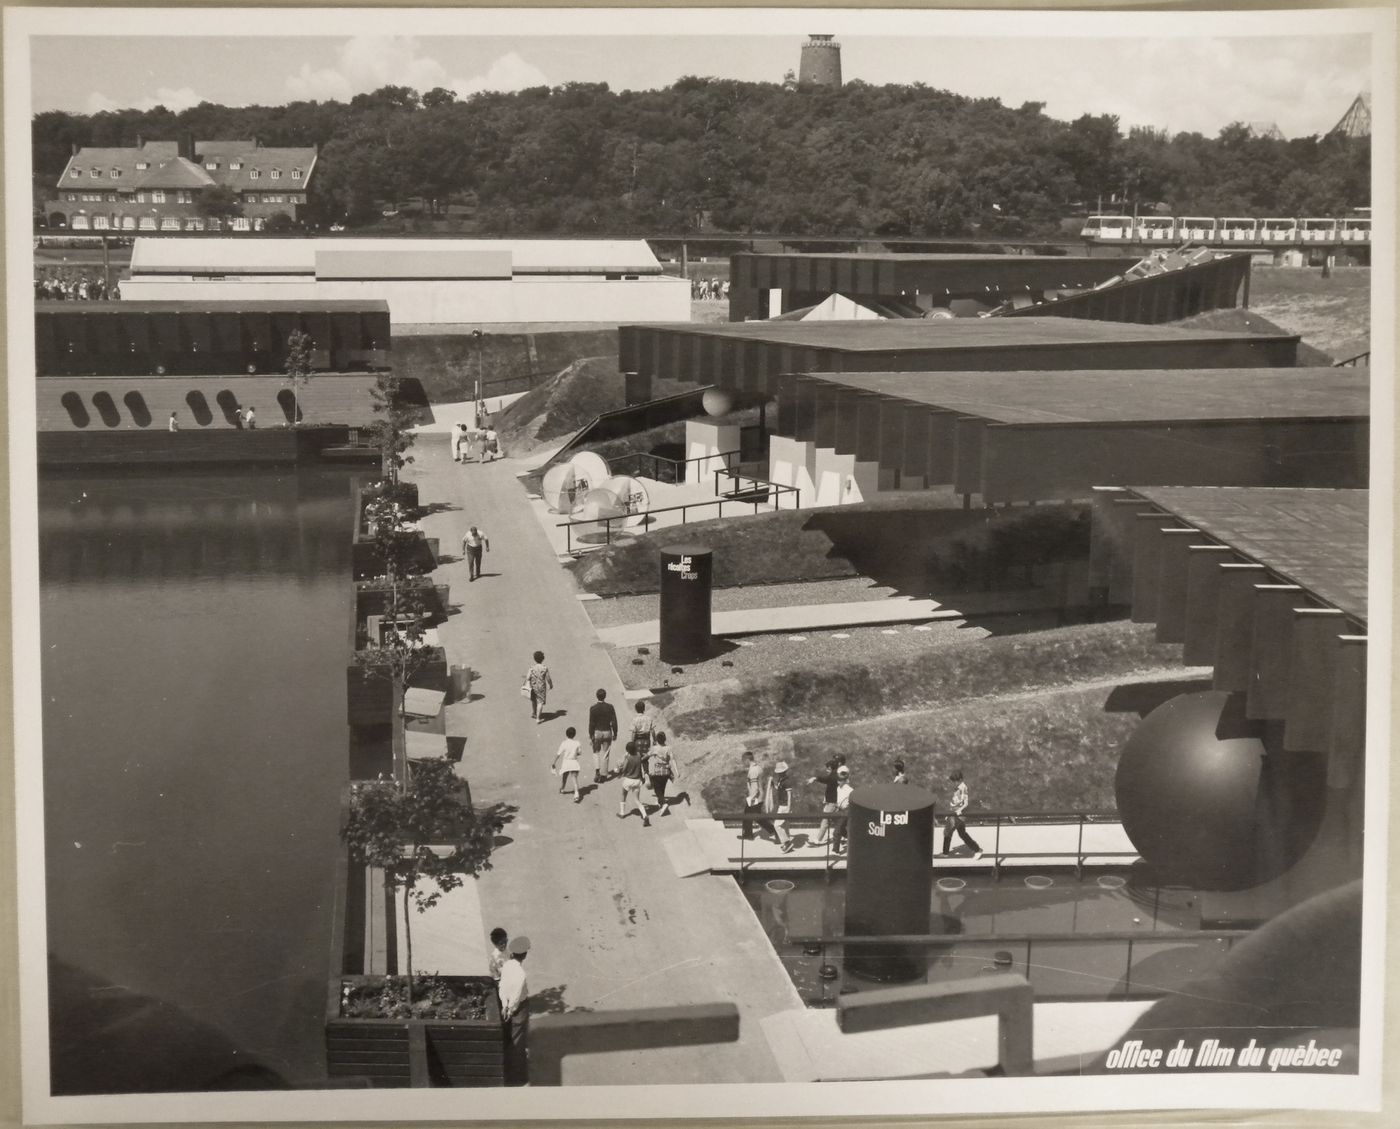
(1054,750)
(835,692)
(1332,314)
(920,536)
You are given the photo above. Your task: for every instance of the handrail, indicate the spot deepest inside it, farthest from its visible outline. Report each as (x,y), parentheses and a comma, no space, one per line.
(1352,362)
(673,463)
(606,522)
(932,939)
(996,856)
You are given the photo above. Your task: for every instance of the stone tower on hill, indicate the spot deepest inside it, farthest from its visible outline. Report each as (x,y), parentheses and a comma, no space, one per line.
(821,62)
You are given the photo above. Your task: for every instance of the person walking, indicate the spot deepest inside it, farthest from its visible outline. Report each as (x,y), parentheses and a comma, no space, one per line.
(459,438)
(779,802)
(602,728)
(844,788)
(753,798)
(643,726)
(537,684)
(492,445)
(174,424)
(474,542)
(566,764)
(827,779)
(250,419)
(954,820)
(631,774)
(661,770)
(515,1013)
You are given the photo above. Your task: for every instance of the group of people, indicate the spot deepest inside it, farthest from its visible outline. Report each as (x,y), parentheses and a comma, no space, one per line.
(648,768)
(73,288)
(769,794)
(477,441)
(709,289)
(245,418)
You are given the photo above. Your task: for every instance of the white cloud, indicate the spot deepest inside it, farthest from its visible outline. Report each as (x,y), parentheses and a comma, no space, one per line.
(509,72)
(171,99)
(365,63)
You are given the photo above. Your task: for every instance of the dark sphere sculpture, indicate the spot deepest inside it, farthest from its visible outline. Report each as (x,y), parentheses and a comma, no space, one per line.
(1209,797)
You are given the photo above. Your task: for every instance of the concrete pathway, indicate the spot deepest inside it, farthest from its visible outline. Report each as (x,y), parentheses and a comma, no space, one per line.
(611,924)
(803,617)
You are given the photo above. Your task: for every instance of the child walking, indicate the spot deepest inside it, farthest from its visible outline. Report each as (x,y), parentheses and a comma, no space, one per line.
(566,763)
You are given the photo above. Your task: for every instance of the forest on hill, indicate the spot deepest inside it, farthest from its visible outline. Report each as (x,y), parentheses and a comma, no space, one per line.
(708,155)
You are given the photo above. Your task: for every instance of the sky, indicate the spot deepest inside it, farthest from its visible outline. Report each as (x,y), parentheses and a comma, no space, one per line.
(1303,83)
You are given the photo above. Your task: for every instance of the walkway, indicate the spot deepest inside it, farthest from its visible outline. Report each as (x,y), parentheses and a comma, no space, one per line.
(612,925)
(803,617)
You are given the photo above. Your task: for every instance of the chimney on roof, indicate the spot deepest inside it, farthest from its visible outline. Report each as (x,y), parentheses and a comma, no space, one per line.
(140,141)
(187,145)
(74,147)
(255,144)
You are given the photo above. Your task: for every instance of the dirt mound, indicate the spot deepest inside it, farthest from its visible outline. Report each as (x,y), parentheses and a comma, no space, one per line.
(559,405)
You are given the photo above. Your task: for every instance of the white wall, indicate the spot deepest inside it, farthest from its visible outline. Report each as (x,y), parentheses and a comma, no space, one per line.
(790,464)
(705,439)
(525,299)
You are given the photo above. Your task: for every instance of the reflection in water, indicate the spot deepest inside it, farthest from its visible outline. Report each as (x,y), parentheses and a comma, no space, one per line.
(195,634)
(986,922)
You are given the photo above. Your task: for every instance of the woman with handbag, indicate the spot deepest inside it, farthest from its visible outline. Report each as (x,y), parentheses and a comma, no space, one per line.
(536,686)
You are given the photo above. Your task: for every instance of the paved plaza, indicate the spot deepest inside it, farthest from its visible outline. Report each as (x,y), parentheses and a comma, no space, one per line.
(620,915)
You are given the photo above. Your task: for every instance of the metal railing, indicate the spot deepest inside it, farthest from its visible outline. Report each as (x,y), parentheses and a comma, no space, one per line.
(1353,362)
(1005,960)
(643,464)
(756,491)
(684,510)
(994,821)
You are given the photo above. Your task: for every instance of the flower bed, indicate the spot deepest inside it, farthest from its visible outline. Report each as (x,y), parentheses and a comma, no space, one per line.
(450,1036)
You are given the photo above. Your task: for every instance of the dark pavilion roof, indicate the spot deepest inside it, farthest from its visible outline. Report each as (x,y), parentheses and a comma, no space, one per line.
(1127,396)
(1317,539)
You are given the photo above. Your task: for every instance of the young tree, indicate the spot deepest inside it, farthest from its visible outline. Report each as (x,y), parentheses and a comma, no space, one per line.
(424,835)
(297,366)
(392,426)
(219,202)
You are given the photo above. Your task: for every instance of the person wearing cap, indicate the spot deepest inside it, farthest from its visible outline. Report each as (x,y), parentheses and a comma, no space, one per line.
(844,788)
(515,1012)
(779,802)
(828,780)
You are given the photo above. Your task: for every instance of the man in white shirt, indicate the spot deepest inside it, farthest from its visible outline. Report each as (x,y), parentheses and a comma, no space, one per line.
(473,542)
(954,820)
(515,1012)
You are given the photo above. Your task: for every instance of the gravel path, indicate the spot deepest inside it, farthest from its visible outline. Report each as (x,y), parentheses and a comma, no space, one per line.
(618,610)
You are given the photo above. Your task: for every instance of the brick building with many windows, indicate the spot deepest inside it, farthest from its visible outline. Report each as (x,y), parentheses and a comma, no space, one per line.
(162,185)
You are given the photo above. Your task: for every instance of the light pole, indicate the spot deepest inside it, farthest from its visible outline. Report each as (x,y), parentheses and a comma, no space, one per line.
(476,398)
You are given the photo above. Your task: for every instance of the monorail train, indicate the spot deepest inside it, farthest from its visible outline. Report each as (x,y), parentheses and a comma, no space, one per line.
(1229,230)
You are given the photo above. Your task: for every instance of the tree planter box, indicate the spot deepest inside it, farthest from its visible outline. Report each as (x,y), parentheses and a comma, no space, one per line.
(367,560)
(372,598)
(415,1052)
(368,697)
